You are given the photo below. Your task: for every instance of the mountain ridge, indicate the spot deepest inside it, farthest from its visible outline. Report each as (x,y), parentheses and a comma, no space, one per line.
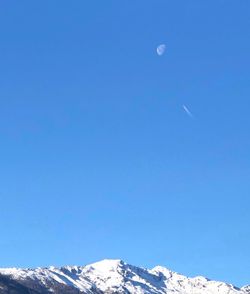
(108,276)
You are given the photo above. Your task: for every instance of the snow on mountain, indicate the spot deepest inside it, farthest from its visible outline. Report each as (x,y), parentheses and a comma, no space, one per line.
(108,276)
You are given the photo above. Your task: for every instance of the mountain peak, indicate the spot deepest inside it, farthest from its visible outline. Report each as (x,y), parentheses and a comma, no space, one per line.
(160,269)
(107,264)
(108,276)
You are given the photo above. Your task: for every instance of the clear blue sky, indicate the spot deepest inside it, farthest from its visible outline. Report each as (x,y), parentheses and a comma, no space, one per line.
(99,159)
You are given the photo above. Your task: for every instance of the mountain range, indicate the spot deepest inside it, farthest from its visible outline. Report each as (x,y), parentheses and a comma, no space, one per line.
(108,277)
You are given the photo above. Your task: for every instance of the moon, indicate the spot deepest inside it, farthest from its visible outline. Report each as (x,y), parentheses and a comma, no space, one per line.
(161,49)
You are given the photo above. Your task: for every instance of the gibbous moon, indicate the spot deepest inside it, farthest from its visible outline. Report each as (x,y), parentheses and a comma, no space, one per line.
(161,49)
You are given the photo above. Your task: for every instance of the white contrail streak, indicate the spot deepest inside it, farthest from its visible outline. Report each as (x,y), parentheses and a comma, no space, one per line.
(187,111)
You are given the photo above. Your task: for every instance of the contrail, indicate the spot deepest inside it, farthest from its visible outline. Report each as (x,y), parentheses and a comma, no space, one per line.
(187,111)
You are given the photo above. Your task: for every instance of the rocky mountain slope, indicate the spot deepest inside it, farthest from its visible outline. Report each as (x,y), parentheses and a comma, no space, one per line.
(108,276)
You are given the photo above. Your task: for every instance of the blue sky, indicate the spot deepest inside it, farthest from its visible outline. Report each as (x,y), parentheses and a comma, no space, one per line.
(99,159)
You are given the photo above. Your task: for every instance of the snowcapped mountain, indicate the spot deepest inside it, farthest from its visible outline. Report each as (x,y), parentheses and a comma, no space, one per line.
(108,276)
